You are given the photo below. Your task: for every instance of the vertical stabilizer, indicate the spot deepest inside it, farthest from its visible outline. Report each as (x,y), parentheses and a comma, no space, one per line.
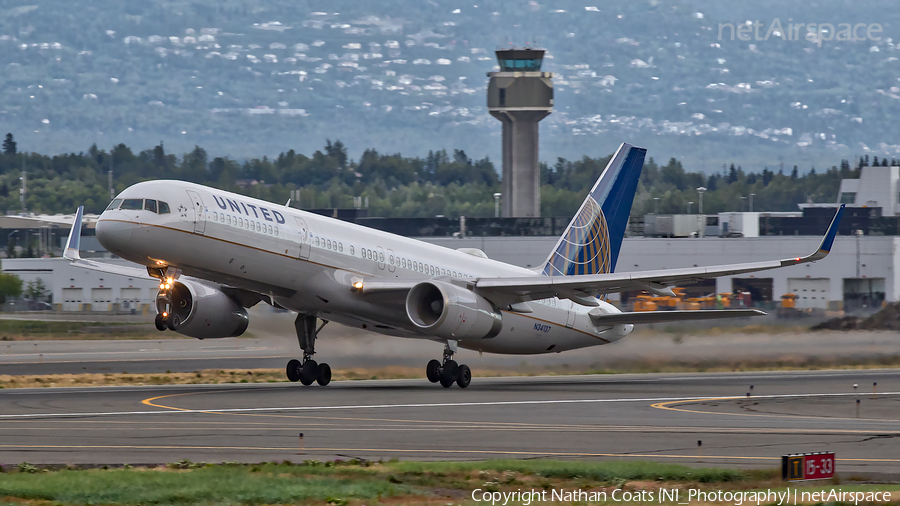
(591,242)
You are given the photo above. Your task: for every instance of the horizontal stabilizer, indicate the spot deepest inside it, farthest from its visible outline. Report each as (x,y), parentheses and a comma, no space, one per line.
(600,318)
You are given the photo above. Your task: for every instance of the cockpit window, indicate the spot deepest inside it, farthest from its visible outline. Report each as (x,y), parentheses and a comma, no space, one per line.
(163,207)
(150,205)
(132,204)
(114,204)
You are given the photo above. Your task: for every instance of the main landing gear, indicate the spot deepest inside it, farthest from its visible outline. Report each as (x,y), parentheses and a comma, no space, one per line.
(308,371)
(449,371)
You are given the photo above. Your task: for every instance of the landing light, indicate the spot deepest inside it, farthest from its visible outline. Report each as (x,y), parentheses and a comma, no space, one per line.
(357,285)
(165,315)
(162,286)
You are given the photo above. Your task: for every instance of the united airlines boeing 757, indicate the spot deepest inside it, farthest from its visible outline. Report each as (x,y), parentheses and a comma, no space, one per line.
(217,253)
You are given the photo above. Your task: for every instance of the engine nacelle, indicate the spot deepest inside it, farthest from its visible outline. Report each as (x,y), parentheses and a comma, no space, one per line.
(203,311)
(451,312)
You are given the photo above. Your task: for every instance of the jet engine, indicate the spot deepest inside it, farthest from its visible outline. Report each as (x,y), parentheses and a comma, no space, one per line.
(202,311)
(445,310)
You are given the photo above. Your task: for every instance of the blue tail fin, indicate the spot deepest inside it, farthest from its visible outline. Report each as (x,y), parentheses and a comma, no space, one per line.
(591,242)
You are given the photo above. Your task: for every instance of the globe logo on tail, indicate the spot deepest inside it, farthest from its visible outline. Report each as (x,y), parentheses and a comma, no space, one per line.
(584,249)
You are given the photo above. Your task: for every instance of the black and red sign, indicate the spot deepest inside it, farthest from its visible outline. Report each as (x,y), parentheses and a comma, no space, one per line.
(807,466)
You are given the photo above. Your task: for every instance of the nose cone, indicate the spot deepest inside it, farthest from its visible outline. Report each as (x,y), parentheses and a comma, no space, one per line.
(114,231)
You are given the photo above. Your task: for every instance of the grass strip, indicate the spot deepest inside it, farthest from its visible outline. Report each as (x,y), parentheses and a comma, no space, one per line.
(360,482)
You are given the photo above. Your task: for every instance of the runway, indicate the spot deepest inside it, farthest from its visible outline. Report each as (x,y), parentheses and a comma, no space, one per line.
(650,416)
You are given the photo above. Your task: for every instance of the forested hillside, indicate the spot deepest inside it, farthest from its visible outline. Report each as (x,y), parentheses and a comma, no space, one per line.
(248,78)
(440,183)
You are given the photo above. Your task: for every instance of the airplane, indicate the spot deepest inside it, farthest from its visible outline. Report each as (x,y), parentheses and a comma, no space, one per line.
(217,253)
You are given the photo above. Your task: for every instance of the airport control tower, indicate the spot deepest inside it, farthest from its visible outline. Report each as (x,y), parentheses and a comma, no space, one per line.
(520,95)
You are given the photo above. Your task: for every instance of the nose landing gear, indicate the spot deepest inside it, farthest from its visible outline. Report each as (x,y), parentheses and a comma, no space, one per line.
(165,319)
(449,371)
(308,371)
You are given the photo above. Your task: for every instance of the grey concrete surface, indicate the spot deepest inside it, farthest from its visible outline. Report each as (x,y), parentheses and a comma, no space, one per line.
(654,416)
(274,342)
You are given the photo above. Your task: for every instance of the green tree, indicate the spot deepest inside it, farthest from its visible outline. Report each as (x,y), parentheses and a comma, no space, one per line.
(35,290)
(9,145)
(10,286)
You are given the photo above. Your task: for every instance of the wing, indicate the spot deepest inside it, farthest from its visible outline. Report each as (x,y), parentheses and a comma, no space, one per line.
(72,253)
(583,289)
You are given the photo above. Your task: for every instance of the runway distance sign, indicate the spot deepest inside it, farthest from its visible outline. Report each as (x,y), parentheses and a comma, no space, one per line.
(807,466)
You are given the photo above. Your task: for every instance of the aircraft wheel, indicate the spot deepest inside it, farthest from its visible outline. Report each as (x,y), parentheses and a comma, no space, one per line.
(174,322)
(293,370)
(309,372)
(324,376)
(433,371)
(464,376)
(161,323)
(448,375)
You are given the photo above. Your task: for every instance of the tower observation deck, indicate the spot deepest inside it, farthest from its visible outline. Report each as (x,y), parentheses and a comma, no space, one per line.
(520,96)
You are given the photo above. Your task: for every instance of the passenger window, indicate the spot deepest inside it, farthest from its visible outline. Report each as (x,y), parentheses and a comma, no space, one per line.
(132,204)
(443,272)
(317,241)
(341,247)
(163,208)
(114,204)
(381,257)
(276,231)
(150,205)
(270,229)
(351,250)
(328,242)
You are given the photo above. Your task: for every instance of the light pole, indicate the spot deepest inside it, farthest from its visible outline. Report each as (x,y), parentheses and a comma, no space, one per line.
(497,205)
(751,201)
(742,203)
(656,205)
(689,207)
(700,191)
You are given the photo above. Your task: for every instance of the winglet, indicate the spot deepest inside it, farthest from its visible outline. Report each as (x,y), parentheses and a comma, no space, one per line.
(826,244)
(828,240)
(73,244)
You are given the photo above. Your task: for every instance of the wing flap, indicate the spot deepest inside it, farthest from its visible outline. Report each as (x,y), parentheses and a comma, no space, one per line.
(601,319)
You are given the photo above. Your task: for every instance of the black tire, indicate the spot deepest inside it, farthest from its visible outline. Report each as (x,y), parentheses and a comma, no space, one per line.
(448,375)
(293,370)
(309,371)
(464,376)
(174,322)
(324,376)
(433,371)
(161,323)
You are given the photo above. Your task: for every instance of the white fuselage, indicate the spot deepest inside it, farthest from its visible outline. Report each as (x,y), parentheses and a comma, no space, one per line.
(307,263)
